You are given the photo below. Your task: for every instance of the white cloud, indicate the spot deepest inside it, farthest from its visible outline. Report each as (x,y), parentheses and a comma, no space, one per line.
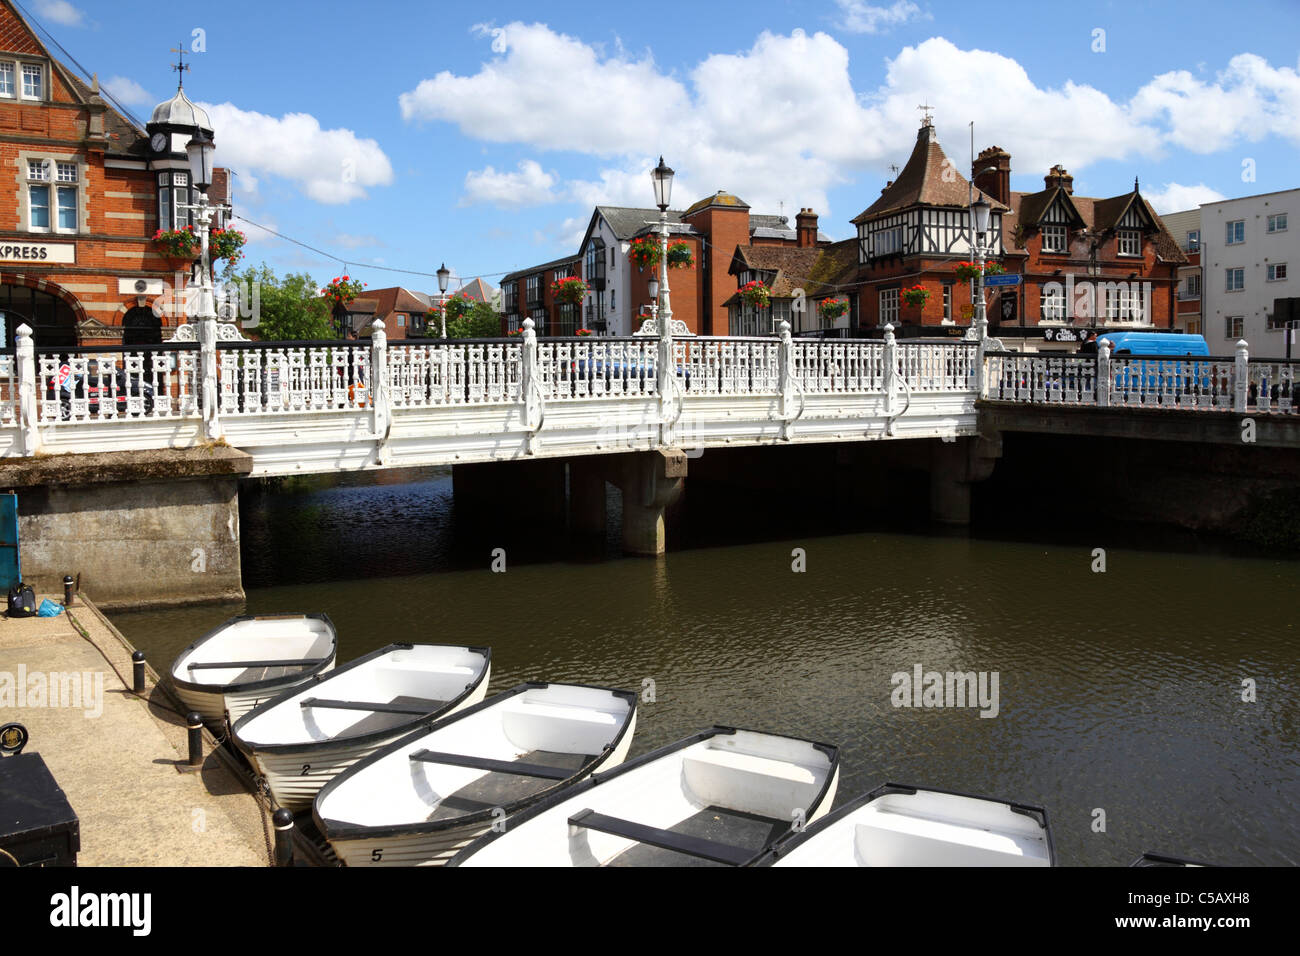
(1248,100)
(859,16)
(128,92)
(530,185)
(782,121)
(60,11)
(328,165)
(1175,197)
(352,241)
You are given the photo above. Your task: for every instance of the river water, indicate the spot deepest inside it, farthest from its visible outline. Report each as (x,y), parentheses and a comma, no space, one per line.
(1119,702)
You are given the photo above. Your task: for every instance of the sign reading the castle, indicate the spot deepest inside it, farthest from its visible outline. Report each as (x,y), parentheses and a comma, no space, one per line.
(37,252)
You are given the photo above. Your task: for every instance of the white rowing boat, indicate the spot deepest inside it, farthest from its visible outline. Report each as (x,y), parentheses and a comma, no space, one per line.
(719,797)
(248,660)
(422,798)
(303,738)
(896,825)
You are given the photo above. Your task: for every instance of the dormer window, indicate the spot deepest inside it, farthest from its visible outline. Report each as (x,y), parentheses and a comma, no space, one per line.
(1054,238)
(1130,242)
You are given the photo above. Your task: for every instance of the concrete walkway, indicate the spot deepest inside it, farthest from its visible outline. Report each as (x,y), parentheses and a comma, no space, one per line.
(121,761)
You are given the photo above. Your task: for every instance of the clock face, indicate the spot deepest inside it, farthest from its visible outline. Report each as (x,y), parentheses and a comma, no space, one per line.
(159,142)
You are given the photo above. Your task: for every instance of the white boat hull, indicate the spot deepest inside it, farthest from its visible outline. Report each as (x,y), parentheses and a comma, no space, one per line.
(435,845)
(715,797)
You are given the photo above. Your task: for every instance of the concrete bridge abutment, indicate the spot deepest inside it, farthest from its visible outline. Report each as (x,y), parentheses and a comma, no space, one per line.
(137,529)
(954,467)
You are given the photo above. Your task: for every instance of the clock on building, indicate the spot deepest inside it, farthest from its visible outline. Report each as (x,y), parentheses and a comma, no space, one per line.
(159,142)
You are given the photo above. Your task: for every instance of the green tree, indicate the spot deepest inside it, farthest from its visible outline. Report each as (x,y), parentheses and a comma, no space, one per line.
(479,321)
(289,308)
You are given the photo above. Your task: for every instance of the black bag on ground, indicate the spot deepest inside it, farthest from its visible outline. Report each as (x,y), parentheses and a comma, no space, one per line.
(22,601)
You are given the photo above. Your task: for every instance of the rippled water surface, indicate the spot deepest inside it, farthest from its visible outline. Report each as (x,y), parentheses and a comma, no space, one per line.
(1120,691)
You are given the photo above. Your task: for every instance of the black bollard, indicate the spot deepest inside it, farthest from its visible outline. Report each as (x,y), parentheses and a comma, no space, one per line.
(282,820)
(67,590)
(195,724)
(137,667)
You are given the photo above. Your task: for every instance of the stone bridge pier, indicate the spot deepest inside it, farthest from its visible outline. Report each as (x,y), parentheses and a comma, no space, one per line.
(954,467)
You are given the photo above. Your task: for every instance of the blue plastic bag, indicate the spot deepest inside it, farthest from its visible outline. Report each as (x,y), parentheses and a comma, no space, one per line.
(49,608)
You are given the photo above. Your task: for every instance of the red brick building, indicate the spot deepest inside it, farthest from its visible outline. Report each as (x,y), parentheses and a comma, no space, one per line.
(526,294)
(85,193)
(1083,262)
(402,312)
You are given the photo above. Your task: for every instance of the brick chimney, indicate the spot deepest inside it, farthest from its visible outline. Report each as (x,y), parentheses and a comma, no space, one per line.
(1057,176)
(806,227)
(996,182)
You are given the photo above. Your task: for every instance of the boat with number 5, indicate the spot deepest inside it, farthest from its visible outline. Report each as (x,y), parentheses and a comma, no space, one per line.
(303,738)
(720,797)
(896,825)
(248,660)
(420,799)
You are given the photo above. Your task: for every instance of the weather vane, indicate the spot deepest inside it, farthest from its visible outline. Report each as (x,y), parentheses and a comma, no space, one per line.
(180,66)
(925,109)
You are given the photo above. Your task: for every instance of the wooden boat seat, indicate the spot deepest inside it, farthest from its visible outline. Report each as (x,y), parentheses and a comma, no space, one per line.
(256,670)
(218,665)
(415,706)
(896,839)
(715,776)
(493,790)
(516,767)
(398,711)
(694,846)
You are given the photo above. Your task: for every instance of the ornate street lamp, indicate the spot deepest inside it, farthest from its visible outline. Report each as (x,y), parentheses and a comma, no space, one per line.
(979,210)
(444,274)
(199,151)
(662,179)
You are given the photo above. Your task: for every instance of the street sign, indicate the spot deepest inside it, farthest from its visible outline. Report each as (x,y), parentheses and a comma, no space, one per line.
(968,311)
(1010,278)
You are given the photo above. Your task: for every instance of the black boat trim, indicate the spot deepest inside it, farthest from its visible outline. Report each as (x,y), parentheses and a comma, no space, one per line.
(596,779)
(788,843)
(274,682)
(361,740)
(370,706)
(342,830)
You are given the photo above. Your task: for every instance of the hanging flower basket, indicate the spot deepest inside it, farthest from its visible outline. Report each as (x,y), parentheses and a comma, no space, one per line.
(915,295)
(832,309)
(584,332)
(571,290)
(178,243)
(457,306)
(515,333)
(680,256)
(342,290)
(969,270)
(756,294)
(226,244)
(645,251)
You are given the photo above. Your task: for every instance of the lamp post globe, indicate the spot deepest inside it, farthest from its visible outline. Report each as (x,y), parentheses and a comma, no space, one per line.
(662,177)
(444,275)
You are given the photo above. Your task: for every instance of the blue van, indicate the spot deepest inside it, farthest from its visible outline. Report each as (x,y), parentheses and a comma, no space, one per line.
(1160,375)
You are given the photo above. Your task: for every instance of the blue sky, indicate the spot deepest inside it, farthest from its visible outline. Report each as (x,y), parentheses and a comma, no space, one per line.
(406,134)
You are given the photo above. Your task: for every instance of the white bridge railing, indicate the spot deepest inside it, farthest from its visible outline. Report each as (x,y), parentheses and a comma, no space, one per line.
(470,399)
(1236,384)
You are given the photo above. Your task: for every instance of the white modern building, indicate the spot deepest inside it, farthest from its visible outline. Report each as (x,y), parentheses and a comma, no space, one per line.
(1247,250)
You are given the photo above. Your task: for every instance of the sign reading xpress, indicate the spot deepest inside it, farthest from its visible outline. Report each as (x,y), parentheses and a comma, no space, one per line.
(35,252)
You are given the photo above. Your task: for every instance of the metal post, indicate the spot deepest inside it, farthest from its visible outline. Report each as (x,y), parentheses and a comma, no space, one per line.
(282,820)
(1103,383)
(29,435)
(194,723)
(665,330)
(530,384)
(207,322)
(1241,377)
(380,414)
(69,588)
(890,359)
(786,378)
(137,671)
